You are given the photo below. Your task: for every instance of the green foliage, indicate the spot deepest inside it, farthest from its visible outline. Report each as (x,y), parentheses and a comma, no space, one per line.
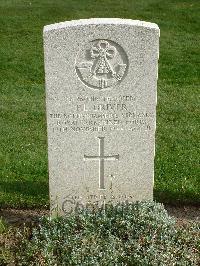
(7,232)
(140,233)
(3,226)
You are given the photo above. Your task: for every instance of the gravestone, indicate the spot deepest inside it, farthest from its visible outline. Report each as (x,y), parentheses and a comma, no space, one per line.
(101,80)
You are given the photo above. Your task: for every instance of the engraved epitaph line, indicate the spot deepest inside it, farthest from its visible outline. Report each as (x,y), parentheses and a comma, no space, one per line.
(101,158)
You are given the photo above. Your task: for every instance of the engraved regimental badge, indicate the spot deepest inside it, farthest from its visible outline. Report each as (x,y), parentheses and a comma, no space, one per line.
(101,64)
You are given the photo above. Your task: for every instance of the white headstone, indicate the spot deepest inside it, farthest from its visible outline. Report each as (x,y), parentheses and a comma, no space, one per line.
(101,79)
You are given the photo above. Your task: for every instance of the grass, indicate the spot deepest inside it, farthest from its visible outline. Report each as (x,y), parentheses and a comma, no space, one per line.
(3,226)
(23,153)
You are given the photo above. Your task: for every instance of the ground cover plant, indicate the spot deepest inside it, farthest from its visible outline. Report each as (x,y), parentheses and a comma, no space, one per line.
(23,152)
(140,233)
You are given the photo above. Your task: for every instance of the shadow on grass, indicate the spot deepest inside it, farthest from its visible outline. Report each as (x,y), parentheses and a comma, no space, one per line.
(176,198)
(26,187)
(23,194)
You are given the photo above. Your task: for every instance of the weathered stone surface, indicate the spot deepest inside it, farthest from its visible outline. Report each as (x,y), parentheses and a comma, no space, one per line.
(101,77)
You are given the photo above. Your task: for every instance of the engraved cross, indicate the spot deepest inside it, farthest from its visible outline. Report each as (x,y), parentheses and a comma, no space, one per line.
(101,158)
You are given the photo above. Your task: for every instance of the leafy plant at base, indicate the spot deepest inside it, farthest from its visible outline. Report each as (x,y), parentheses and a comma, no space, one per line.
(139,233)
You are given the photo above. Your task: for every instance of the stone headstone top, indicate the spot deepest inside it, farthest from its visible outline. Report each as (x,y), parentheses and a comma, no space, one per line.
(101,21)
(101,79)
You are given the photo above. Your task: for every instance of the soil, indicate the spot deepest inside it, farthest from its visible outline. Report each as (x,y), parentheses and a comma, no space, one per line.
(17,217)
(184,214)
